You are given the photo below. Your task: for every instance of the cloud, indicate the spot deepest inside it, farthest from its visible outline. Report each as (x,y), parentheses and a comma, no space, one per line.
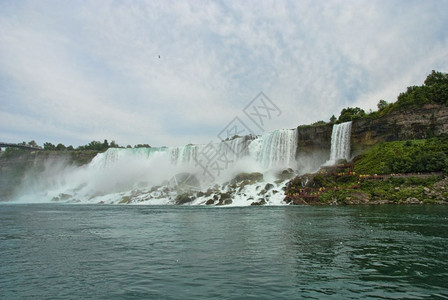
(76,71)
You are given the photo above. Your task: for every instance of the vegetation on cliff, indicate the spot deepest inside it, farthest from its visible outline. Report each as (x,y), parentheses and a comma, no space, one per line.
(411,156)
(434,90)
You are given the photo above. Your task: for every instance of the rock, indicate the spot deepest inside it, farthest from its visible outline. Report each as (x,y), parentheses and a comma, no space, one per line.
(260,202)
(441,202)
(63,196)
(285,174)
(210,202)
(268,186)
(378,202)
(227,201)
(412,200)
(426,190)
(253,177)
(125,200)
(223,196)
(299,201)
(397,189)
(183,198)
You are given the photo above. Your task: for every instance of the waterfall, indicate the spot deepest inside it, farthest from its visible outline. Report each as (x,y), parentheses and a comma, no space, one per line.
(340,143)
(277,148)
(271,150)
(182,155)
(145,174)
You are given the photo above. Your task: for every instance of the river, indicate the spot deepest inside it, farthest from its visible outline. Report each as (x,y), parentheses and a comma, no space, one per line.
(67,251)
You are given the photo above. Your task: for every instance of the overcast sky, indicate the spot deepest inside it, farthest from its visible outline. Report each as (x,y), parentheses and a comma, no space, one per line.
(76,71)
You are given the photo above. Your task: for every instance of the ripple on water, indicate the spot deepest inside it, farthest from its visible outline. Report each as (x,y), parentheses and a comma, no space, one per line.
(103,252)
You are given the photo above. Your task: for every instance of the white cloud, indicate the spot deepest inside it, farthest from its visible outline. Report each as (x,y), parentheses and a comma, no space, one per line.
(90,70)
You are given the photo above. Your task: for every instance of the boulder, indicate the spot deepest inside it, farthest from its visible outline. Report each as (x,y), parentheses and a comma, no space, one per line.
(268,186)
(260,202)
(285,174)
(227,201)
(251,177)
(183,198)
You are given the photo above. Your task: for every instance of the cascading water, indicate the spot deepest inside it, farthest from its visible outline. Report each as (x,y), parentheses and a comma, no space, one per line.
(340,143)
(144,175)
(277,149)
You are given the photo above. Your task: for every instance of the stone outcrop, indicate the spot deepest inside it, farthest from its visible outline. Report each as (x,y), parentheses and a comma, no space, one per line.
(415,123)
(411,123)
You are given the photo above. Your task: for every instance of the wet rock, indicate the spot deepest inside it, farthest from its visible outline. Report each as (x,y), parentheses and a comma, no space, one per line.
(253,177)
(285,174)
(125,200)
(268,186)
(208,193)
(183,198)
(224,196)
(210,202)
(63,196)
(260,202)
(227,201)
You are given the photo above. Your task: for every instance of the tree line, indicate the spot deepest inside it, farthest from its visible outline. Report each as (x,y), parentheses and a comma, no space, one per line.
(93,146)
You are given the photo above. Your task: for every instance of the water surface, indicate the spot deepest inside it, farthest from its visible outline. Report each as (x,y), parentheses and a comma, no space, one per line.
(170,252)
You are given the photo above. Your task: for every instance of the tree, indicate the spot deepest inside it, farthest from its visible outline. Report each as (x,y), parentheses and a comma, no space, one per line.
(351,113)
(333,119)
(113,145)
(436,78)
(49,146)
(382,104)
(60,147)
(33,144)
(142,146)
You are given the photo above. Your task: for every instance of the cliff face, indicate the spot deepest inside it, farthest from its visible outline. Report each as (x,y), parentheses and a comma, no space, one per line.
(416,123)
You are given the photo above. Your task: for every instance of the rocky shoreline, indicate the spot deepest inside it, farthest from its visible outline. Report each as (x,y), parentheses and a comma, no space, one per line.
(339,185)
